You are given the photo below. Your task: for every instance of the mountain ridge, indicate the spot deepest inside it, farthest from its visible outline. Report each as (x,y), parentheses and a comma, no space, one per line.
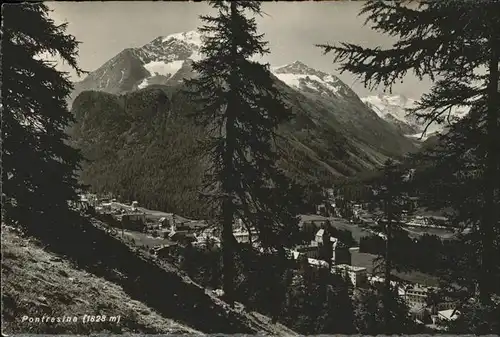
(157,56)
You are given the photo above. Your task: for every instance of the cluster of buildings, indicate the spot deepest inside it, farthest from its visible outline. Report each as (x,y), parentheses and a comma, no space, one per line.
(341,253)
(183,231)
(333,201)
(341,258)
(415,295)
(127,216)
(124,216)
(130,217)
(328,207)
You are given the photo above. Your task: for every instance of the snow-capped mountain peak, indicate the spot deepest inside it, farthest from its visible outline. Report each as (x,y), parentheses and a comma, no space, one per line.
(394,109)
(165,56)
(191,37)
(394,105)
(164,59)
(297,68)
(174,47)
(302,77)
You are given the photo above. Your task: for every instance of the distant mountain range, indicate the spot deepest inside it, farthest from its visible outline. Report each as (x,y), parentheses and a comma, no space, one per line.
(393,109)
(131,113)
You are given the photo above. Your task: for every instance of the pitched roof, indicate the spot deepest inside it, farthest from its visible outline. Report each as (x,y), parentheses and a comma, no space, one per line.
(449,314)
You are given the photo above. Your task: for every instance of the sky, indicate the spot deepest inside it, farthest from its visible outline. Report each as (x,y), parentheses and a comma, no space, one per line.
(291,28)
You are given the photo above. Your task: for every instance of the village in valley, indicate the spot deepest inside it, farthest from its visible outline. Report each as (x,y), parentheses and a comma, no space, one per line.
(282,168)
(160,233)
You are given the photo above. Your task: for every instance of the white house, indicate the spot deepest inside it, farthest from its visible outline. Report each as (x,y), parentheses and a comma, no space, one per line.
(378,279)
(357,275)
(243,235)
(416,295)
(313,262)
(312,250)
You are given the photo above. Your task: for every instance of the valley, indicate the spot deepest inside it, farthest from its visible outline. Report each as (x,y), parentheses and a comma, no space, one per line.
(144,132)
(250,168)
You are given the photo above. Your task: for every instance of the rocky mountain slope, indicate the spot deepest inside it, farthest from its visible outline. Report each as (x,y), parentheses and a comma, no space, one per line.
(338,106)
(131,122)
(393,109)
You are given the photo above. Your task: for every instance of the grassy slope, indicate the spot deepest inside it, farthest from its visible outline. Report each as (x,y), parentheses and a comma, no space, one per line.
(132,277)
(37,282)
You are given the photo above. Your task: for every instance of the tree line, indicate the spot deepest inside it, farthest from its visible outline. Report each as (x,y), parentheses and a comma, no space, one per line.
(427,254)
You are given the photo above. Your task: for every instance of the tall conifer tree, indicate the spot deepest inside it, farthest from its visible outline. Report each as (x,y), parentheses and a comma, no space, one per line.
(38,165)
(449,41)
(242,109)
(451,176)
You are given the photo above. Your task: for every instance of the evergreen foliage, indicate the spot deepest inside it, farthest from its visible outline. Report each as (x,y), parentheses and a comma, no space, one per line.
(241,108)
(450,42)
(38,165)
(370,313)
(315,301)
(140,146)
(454,170)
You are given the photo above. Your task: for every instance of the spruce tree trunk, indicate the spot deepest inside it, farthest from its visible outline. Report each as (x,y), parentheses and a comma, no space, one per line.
(387,270)
(227,252)
(228,211)
(280,283)
(228,184)
(487,280)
